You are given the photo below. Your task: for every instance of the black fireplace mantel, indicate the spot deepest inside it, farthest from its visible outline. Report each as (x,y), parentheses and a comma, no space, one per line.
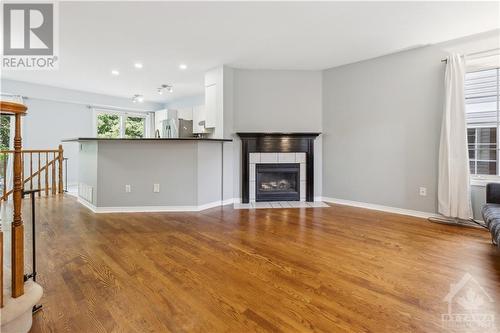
(258,142)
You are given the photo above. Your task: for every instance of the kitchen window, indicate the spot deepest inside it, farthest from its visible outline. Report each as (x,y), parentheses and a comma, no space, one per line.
(482,115)
(111,124)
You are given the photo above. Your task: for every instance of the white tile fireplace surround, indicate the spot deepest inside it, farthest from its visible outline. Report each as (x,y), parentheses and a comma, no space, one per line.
(276,158)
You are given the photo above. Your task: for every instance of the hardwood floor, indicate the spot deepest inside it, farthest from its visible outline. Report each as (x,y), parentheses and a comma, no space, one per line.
(336,269)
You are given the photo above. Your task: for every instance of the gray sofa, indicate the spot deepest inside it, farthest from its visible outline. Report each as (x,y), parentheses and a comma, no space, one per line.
(491,211)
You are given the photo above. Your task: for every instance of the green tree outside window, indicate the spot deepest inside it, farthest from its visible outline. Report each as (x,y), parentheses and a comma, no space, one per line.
(134,127)
(108,125)
(4,132)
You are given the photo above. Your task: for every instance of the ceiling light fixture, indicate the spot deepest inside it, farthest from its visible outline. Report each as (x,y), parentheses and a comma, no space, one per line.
(165,87)
(183,66)
(137,98)
(115,72)
(138,65)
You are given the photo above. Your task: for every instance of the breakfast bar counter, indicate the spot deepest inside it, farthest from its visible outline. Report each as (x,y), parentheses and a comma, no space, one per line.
(138,175)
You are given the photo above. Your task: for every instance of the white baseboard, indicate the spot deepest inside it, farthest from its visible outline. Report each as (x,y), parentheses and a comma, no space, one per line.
(382,208)
(86,204)
(145,209)
(151,209)
(229,201)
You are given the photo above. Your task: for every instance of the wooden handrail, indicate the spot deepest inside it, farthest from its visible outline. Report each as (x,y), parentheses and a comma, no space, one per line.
(30,151)
(51,165)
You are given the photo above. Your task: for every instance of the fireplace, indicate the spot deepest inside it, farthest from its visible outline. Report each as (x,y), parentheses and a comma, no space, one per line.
(277,182)
(280,149)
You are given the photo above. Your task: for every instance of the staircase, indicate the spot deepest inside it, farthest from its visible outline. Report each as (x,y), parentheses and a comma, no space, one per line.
(42,168)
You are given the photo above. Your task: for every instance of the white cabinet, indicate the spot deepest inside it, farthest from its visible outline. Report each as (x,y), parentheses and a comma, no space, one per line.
(211,106)
(214,85)
(199,115)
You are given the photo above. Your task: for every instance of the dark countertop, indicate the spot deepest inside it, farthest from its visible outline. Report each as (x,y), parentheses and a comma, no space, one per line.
(145,139)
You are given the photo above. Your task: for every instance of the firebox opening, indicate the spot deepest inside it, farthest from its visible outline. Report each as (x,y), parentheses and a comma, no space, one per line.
(277,182)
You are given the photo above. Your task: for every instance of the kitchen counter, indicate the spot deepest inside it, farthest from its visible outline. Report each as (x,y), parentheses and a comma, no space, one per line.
(145,139)
(145,175)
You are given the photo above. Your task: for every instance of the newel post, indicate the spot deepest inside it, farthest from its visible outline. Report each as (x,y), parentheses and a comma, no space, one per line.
(17,224)
(60,160)
(17,249)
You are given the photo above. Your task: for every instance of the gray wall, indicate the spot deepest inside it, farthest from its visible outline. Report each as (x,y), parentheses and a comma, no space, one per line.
(381,124)
(381,120)
(209,171)
(275,101)
(49,120)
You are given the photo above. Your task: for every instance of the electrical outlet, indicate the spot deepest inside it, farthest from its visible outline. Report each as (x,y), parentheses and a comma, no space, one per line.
(423,191)
(156,188)
(128,188)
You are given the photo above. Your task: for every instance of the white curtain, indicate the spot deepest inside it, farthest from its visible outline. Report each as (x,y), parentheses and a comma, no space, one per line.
(152,125)
(454,199)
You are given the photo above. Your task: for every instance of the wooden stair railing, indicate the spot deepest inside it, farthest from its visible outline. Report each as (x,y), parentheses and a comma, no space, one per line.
(42,167)
(17,244)
(47,162)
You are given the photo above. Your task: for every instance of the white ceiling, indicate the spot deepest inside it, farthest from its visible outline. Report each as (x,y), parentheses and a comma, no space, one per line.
(96,37)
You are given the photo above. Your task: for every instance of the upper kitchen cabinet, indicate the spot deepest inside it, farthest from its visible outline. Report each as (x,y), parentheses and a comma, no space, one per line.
(214,108)
(211,106)
(219,102)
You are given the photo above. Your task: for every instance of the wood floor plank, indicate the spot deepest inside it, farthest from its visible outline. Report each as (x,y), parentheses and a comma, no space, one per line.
(335,269)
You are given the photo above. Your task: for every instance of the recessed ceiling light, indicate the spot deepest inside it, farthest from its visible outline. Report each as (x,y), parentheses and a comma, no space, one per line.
(138,65)
(115,72)
(137,99)
(183,66)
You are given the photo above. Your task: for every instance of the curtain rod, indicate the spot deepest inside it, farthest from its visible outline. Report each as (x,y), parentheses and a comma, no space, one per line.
(474,53)
(90,106)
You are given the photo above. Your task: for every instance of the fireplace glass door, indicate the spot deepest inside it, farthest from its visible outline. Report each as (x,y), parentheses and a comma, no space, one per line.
(277,182)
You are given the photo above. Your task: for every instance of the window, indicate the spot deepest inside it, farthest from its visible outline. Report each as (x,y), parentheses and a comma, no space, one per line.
(108,125)
(4,145)
(135,127)
(4,132)
(121,125)
(482,114)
